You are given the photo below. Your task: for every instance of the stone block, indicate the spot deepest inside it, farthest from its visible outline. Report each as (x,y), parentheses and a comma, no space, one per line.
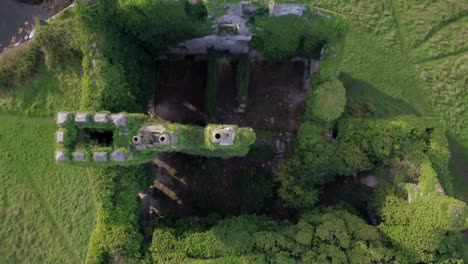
(79,156)
(101,118)
(118,156)
(223,136)
(60,156)
(59,136)
(119,120)
(100,156)
(81,118)
(62,117)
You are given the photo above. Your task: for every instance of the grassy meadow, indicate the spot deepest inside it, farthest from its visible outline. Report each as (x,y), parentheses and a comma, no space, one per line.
(47,213)
(45,93)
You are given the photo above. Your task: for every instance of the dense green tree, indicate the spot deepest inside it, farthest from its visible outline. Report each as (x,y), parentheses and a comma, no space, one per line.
(421,226)
(326,102)
(328,235)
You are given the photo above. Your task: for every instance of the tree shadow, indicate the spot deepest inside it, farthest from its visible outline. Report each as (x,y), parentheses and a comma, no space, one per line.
(366,101)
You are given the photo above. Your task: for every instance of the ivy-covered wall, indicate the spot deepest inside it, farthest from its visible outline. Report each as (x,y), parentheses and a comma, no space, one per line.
(125,128)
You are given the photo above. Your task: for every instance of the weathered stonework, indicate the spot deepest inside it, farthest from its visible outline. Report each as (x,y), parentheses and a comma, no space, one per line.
(81,118)
(79,156)
(62,118)
(100,156)
(59,136)
(118,156)
(223,136)
(60,156)
(101,118)
(119,120)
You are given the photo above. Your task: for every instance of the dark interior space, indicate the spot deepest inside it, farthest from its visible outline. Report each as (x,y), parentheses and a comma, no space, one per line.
(275,96)
(100,137)
(182,82)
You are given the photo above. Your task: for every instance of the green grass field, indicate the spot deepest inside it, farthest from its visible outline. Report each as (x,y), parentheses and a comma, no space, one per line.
(47,213)
(45,93)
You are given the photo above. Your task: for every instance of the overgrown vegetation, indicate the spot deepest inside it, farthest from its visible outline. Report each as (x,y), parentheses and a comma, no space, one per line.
(116,237)
(16,65)
(411,54)
(254,239)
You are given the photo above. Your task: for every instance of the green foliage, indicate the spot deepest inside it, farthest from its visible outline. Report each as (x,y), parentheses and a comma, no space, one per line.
(116,235)
(16,64)
(108,88)
(162,23)
(59,42)
(280,37)
(326,102)
(361,145)
(419,227)
(319,236)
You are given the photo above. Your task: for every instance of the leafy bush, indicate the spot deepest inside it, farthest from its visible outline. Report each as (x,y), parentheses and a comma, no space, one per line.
(419,227)
(18,63)
(162,23)
(59,41)
(319,236)
(281,37)
(326,102)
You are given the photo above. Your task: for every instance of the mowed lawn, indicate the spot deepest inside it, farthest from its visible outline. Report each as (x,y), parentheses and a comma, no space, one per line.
(47,212)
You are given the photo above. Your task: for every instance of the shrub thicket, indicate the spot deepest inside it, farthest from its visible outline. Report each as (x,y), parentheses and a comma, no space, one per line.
(59,41)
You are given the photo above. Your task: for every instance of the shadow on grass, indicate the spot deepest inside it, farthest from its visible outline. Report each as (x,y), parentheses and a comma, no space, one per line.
(366,101)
